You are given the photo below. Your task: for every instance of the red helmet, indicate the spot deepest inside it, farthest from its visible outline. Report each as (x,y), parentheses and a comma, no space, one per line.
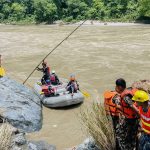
(72,78)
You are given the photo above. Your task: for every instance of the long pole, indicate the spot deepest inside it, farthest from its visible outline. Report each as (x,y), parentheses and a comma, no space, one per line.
(53,50)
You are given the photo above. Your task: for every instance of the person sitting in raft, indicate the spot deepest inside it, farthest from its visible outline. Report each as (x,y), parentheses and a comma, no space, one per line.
(46,73)
(72,86)
(48,90)
(54,78)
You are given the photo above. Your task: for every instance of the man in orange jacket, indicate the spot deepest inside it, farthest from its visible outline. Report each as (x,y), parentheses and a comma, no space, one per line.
(127,128)
(111,100)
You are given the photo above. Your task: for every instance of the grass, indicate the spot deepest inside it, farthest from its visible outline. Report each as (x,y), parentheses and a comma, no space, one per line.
(99,126)
(5,136)
(6,131)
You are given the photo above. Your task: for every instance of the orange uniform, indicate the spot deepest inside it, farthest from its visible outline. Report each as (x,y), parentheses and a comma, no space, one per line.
(126,110)
(145,120)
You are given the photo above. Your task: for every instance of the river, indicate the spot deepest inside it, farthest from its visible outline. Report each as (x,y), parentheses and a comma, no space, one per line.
(97,55)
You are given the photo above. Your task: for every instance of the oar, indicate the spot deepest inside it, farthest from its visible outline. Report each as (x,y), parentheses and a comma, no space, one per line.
(86,94)
(2,70)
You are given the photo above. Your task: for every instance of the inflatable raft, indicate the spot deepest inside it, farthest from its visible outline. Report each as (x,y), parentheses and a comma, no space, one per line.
(58,88)
(61,98)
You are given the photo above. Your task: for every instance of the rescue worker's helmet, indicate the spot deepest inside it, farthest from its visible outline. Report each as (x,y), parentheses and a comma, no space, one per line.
(140,96)
(72,78)
(53,71)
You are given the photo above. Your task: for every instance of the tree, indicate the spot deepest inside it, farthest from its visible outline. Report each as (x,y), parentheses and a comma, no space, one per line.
(45,11)
(6,10)
(17,12)
(144,8)
(97,11)
(77,9)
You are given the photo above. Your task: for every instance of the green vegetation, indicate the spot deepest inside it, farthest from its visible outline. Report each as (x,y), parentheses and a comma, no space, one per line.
(47,11)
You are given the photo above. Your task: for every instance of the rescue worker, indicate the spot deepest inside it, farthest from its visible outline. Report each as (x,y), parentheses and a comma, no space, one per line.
(72,86)
(54,78)
(127,128)
(46,73)
(120,87)
(142,99)
(48,90)
(111,100)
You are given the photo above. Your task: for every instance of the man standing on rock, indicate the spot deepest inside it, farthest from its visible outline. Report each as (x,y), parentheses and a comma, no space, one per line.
(127,128)
(111,100)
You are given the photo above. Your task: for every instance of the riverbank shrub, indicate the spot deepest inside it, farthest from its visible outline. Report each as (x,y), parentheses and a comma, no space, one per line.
(73,10)
(99,126)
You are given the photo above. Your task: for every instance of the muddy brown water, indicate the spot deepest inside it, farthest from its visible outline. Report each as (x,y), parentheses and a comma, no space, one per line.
(98,55)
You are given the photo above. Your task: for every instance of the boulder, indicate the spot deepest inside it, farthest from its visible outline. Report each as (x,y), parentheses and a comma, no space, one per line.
(142,85)
(40,145)
(88,144)
(20,105)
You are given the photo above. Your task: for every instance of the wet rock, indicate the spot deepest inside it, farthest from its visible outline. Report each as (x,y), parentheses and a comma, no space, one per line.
(20,106)
(40,145)
(16,148)
(88,144)
(142,85)
(19,139)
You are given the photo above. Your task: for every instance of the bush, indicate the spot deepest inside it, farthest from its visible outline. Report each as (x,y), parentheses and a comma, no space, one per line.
(76,9)
(144,8)
(99,126)
(97,10)
(45,11)
(73,10)
(17,12)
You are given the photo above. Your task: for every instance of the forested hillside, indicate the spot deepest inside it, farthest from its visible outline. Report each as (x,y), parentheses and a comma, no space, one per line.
(37,11)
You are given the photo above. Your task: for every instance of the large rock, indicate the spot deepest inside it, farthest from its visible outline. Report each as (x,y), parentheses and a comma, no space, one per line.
(142,85)
(88,144)
(40,145)
(13,139)
(20,106)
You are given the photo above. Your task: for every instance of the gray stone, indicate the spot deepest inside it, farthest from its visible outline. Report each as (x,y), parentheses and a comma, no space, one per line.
(22,108)
(88,144)
(19,139)
(40,145)
(16,148)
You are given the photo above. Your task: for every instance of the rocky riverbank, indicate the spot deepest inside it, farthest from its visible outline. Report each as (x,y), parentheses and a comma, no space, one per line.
(13,139)
(20,106)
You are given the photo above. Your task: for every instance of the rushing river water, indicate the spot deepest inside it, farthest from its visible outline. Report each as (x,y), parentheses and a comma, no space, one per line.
(98,55)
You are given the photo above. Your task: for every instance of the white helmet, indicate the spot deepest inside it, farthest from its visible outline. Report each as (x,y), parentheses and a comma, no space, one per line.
(53,71)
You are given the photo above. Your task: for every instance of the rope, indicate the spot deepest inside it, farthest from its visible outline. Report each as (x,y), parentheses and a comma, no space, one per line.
(53,50)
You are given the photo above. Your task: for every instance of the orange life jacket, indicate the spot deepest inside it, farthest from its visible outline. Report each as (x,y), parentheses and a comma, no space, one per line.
(110,107)
(145,120)
(126,110)
(47,91)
